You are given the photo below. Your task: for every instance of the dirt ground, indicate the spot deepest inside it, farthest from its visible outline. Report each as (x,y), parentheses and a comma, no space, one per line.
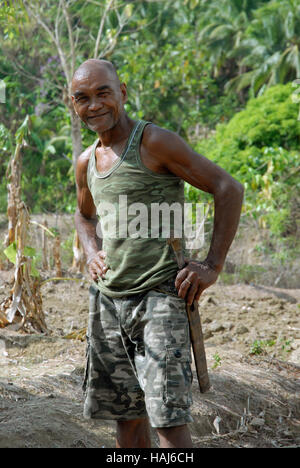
(252,339)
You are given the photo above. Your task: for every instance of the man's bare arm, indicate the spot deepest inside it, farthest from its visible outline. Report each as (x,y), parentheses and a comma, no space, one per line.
(177,157)
(86,220)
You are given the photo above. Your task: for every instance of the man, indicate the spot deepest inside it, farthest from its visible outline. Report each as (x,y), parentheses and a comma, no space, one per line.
(138,353)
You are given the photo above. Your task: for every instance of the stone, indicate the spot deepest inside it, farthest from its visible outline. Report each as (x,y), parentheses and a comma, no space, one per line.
(241,329)
(257,422)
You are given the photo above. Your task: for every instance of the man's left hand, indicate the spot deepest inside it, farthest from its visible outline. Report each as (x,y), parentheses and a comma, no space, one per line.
(193,279)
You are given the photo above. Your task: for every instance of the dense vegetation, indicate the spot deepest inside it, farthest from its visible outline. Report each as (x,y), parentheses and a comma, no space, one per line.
(260,146)
(221,74)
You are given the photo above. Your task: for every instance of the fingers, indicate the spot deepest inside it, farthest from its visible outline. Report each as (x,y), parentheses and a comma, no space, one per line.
(193,279)
(192,291)
(187,285)
(97,267)
(181,276)
(198,293)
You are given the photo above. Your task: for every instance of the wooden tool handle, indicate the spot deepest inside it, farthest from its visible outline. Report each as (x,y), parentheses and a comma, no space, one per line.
(195,326)
(198,347)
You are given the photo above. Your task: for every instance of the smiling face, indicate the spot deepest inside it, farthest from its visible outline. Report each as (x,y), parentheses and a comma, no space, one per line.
(98,96)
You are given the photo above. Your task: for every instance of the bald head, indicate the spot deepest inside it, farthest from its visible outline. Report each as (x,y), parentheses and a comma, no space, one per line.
(98,96)
(92,66)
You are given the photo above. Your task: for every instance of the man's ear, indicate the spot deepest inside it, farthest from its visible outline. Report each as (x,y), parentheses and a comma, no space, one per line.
(123,89)
(73,102)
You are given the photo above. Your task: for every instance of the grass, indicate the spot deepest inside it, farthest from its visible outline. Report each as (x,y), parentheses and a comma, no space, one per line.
(217,360)
(259,347)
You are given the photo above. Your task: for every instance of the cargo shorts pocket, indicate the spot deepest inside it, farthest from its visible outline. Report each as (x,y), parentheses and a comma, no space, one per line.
(179,376)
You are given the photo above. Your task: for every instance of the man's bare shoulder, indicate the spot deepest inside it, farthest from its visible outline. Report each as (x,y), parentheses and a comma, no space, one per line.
(155,137)
(84,157)
(82,165)
(164,147)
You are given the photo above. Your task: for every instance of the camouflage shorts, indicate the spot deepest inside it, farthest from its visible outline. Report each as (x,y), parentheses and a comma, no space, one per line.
(139,358)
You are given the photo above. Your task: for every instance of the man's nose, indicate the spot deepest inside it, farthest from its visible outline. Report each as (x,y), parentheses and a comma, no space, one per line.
(95,103)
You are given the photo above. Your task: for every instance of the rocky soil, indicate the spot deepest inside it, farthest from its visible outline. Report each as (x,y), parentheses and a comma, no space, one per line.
(252,339)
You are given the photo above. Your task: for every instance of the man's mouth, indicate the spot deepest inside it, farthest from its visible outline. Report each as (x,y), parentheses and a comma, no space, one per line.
(98,116)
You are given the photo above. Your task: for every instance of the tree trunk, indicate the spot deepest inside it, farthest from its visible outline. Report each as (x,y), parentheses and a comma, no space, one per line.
(75,127)
(78,258)
(76,137)
(13,175)
(56,256)
(78,254)
(45,247)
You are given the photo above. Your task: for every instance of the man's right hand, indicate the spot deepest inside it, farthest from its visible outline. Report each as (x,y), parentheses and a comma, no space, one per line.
(96,265)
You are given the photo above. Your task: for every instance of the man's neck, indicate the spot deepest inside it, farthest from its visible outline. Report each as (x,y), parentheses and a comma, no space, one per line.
(118,133)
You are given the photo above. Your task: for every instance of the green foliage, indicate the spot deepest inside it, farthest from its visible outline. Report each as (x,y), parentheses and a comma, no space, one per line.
(217,360)
(286,345)
(5,140)
(177,58)
(269,120)
(253,43)
(269,49)
(11,254)
(260,346)
(48,177)
(5,150)
(67,248)
(174,88)
(259,146)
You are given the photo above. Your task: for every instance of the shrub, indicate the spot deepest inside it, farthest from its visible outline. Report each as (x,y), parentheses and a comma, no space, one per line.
(259,147)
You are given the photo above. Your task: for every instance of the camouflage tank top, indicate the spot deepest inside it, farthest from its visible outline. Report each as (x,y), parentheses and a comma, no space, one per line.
(137,208)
